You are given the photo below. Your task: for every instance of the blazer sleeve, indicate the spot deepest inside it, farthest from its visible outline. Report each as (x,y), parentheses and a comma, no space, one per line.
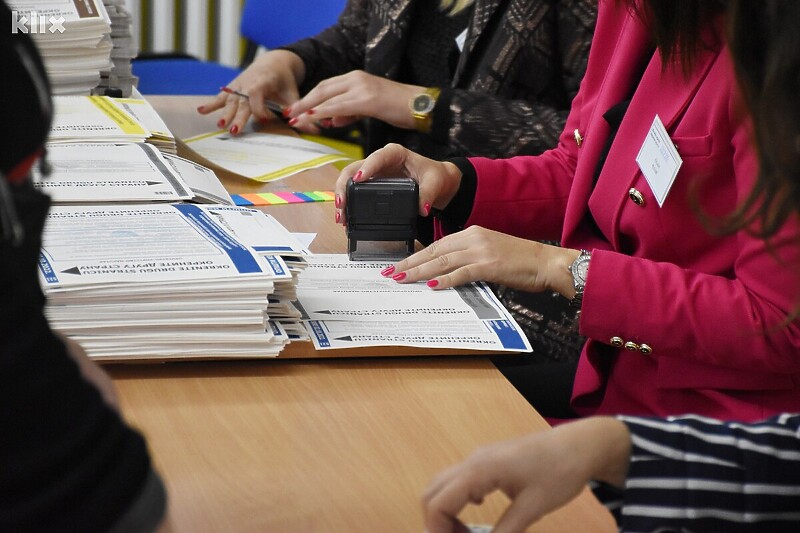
(526,196)
(698,474)
(527,124)
(336,50)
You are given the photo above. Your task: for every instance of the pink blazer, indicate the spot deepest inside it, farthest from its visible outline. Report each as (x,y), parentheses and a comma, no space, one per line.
(701,314)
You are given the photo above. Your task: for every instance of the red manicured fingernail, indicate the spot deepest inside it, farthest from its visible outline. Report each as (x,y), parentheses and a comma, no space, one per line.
(338,216)
(337,202)
(221,123)
(327,123)
(234,130)
(388,271)
(357,176)
(293,121)
(433,283)
(427,208)
(201,108)
(286,112)
(311,112)
(400,276)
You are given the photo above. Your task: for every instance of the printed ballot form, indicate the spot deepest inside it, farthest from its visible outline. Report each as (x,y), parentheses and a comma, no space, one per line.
(348,304)
(102,172)
(262,156)
(93,119)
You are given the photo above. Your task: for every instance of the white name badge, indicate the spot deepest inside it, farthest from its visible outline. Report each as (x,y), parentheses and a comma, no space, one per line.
(659,161)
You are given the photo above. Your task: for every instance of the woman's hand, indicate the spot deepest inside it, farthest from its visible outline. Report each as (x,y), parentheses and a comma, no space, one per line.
(341,100)
(480,254)
(275,75)
(438,181)
(539,473)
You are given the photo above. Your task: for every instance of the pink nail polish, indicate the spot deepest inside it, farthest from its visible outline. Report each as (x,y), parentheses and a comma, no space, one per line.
(201,108)
(286,112)
(400,276)
(433,283)
(234,130)
(311,112)
(357,176)
(221,123)
(427,208)
(338,216)
(293,121)
(388,271)
(337,202)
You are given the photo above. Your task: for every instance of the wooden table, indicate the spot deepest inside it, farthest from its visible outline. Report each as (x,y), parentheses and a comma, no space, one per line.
(335,445)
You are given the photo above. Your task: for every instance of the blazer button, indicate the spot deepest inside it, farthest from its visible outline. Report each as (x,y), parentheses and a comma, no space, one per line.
(578,138)
(636,197)
(617,342)
(645,349)
(631,346)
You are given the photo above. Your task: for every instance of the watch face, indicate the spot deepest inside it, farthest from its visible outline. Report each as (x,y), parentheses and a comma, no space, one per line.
(582,270)
(422,103)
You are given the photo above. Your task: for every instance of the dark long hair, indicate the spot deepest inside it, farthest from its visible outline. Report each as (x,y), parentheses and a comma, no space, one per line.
(765,45)
(680,28)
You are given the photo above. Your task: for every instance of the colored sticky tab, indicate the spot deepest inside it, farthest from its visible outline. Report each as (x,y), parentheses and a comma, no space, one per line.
(289,197)
(254,199)
(238,199)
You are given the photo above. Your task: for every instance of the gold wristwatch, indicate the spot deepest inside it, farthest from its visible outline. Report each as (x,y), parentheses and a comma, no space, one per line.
(422,106)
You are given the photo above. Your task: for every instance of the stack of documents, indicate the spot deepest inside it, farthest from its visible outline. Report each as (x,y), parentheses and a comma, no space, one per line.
(139,108)
(73,37)
(120,75)
(94,119)
(170,281)
(347,304)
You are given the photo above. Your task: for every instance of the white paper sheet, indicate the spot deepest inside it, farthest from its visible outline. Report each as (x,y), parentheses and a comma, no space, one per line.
(105,173)
(348,304)
(262,156)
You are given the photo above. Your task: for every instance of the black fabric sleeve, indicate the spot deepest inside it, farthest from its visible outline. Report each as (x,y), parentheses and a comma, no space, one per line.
(69,463)
(455,215)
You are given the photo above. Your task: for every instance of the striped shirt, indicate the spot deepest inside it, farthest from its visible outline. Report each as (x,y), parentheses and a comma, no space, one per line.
(692,473)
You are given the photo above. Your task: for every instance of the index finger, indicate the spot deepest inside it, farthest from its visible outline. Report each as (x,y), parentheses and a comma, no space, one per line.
(442,508)
(218,102)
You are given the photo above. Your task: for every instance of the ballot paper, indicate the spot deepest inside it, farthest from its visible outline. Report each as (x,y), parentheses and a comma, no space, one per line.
(102,173)
(93,119)
(262,156)
(348,304)
(133,282)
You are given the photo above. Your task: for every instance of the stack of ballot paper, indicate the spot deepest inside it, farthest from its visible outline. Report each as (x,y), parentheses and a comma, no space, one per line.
(170,281)
(348,304)
(120,75)
(139,108)
(73,38)
(93,119)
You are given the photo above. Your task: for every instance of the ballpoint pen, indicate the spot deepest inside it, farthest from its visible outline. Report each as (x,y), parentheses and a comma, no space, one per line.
(270,104)
(274,106)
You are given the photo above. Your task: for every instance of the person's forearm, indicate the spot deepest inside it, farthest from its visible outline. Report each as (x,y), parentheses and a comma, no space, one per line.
(602,448)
